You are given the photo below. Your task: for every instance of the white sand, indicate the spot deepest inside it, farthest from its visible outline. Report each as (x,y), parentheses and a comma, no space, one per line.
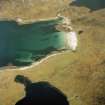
(72,43)
(35,63)
(72,40)
(38,62)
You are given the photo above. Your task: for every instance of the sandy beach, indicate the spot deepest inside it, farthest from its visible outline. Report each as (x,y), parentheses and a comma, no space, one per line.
(72,40)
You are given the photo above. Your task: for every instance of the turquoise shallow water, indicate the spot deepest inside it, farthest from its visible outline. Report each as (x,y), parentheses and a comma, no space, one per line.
(24,44)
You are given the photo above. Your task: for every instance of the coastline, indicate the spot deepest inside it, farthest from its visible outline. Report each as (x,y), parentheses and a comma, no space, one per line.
(36,63)
(20,21)
(71,42)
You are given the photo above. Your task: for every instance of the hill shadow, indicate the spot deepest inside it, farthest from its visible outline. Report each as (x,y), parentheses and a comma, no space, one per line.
(91,4)
(40,93)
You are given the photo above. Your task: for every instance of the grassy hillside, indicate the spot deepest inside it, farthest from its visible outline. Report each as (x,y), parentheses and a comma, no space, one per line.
(80,75)
(31,9)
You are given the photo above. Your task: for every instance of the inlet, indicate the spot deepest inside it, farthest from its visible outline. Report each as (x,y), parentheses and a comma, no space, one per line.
(23,44)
